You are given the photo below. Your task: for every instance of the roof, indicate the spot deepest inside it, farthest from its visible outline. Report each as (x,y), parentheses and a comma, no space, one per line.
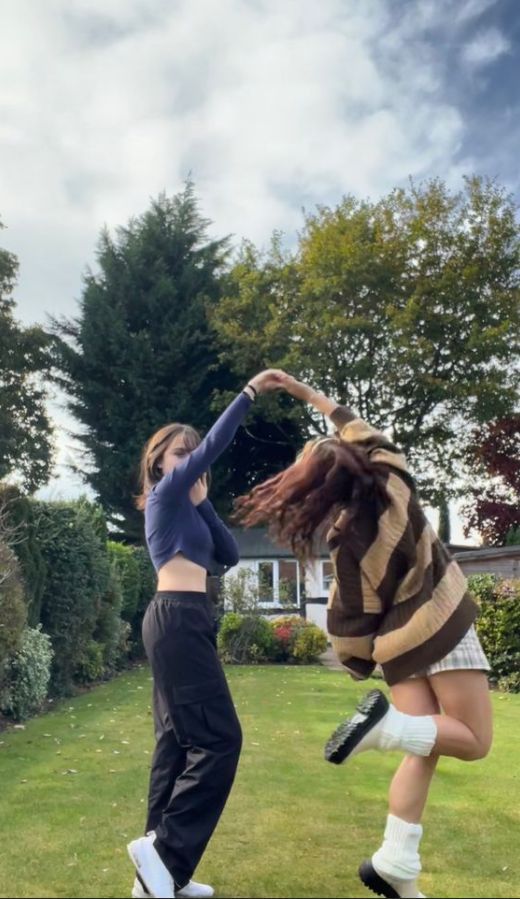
(255,543)
(490,552)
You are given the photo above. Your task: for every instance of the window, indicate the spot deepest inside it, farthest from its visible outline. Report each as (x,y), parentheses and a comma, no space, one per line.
(279,582)
(266,592)
(327,576)
(288,582)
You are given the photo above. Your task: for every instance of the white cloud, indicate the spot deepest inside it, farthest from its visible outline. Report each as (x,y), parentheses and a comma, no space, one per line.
(271,106)
(485,48)
(471,9)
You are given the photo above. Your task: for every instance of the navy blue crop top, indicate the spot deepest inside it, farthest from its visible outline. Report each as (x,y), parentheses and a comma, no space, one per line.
(173,524)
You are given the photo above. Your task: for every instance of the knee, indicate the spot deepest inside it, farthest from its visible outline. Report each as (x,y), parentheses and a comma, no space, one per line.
(232,745)
(236,741)
(430,762)
(421,763)
(479,750)
(226,759)
(484,749)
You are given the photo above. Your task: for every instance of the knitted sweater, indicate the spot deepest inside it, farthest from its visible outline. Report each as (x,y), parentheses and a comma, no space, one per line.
(397,598)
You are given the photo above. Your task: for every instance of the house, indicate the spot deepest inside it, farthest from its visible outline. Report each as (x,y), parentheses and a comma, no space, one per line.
(305,588)
(503,561)
(289,586)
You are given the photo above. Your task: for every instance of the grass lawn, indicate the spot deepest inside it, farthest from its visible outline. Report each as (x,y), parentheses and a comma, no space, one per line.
(74,782)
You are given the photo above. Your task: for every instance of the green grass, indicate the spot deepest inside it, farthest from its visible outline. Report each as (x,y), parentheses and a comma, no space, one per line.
(74,783)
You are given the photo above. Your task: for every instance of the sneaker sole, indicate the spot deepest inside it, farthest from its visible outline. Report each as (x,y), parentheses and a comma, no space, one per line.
(137,867)
(349,734)
(371,879)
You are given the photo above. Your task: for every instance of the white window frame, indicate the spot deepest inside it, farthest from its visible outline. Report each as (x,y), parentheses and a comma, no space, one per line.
(325,586)
(276,580)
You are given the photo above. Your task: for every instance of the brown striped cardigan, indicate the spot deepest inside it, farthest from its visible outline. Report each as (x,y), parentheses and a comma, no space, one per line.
(397,598)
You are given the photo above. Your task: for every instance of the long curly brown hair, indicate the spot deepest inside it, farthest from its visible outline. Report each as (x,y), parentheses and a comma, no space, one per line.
(300,503)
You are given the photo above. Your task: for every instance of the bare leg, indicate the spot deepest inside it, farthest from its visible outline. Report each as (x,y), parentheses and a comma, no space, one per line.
(465,729)
(411,783)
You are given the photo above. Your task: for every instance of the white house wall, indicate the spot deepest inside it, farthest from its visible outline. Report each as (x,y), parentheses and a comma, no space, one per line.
(313,580)
(316,612)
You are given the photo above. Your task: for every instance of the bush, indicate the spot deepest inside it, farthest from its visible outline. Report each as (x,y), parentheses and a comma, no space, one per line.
(73,543)
(285,631)
(498,627)
(13,613)
(109,627)
(147,588)
(90,666)
(244,639)
(125,646)
(510,683)
(22,519)
(128,569)
(297,640)
(310,642)
(27,675)
(75,582)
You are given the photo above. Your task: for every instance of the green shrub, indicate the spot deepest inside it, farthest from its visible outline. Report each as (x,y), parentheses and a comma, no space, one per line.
(128,568)
(109,625)
(147,588)
(297,640)
(27,676)
(13,612)
(245,639)
(90,666)
(22,519)
(310,642)
(498,627)
(73,542)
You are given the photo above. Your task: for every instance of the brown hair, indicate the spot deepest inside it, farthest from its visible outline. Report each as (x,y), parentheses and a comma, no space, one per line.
(300,502)
(153,452)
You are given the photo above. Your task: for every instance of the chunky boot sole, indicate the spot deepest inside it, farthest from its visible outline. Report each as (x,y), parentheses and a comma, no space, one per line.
(372,880)
(349,734)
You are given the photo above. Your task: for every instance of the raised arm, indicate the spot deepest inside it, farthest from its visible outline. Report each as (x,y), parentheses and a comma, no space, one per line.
(218,438)
(339,415)
(351,428)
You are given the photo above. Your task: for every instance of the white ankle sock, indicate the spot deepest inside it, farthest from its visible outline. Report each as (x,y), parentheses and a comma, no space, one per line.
(415,734)
(398,858)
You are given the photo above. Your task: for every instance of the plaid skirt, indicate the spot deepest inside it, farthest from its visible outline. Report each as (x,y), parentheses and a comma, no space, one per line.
(467,655)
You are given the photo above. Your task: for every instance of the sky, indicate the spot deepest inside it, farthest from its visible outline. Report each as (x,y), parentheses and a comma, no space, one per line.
(270,107)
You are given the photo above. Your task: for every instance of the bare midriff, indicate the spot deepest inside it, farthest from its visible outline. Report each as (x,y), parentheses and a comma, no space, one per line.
(179,573)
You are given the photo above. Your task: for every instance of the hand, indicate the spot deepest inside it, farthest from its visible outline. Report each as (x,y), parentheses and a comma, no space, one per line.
(297,389)
(199,491)
(270,379)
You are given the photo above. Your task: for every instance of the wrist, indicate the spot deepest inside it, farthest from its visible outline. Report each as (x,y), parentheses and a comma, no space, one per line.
(204,504)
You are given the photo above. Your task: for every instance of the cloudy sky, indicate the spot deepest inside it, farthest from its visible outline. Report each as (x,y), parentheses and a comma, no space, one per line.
(272,106)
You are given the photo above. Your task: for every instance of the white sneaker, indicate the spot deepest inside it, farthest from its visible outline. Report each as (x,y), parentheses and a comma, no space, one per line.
(152,870)
(192,890)
(138,890)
